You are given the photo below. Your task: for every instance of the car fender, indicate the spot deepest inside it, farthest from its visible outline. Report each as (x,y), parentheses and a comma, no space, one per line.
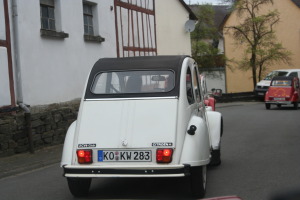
(68,145)
(212,103)
(196,148)
(215,128)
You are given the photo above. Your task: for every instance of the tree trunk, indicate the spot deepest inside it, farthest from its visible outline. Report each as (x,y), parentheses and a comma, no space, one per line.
(259,72)
(253,66)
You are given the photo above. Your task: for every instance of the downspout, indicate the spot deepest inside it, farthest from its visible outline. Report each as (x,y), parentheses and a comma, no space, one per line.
(19,90)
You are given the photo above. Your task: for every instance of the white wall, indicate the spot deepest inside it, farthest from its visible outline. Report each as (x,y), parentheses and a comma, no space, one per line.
(171,17)
(215,79)
(4,80)
(55,70)
(2,22)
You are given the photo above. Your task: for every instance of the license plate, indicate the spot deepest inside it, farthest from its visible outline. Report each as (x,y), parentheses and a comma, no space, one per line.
(261,93)
(279,99)
(124,156)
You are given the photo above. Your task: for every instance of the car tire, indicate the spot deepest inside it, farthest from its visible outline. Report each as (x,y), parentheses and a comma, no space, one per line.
(296,106)
(268,106)
(198,181)
(79,187)
(215,158)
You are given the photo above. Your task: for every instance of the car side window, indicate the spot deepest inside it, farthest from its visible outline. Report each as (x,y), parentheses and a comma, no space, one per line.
(294,74)
(189,87)
(196,85)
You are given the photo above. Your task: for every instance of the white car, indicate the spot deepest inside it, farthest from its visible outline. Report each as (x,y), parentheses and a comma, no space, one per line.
(142,117)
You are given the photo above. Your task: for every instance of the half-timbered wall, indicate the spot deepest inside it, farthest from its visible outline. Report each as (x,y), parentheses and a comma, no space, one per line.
(6,74)
(135,28)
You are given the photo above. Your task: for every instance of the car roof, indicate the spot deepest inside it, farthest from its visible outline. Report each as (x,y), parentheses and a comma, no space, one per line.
(288,70)
(173,63)
(139,63)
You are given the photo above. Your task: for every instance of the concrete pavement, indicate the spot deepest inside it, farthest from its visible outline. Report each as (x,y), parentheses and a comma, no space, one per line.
(25,162)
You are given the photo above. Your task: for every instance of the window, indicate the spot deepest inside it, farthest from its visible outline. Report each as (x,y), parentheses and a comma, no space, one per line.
(133,82)
(275,73)
(47,15)
(293,74)
(196,85)
(88,19)
(282,83)
(189,87)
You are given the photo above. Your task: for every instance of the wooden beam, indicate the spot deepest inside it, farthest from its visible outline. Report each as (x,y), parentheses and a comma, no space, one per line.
(134,7)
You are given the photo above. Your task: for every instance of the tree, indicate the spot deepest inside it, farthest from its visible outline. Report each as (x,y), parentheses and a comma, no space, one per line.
(257,34)
(204,37)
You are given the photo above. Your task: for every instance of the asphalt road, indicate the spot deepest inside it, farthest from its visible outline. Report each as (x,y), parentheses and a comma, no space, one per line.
(260,157)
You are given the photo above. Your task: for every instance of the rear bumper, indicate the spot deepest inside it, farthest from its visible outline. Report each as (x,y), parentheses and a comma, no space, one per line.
(126,171)
(280,102)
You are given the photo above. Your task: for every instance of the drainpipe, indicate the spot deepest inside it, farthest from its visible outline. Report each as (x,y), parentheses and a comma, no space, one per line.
(19,90)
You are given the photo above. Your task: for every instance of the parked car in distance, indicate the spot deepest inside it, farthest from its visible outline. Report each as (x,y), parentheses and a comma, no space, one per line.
(283,91)
(209,97)
(142,117)
(263,86)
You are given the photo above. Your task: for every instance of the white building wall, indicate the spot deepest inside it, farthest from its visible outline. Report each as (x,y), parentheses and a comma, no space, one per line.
(5,98)
(172,39)
(215,80)
(2,22)
(55,70)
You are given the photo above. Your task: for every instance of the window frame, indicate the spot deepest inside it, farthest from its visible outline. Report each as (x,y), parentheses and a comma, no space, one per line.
(90,17)
(48,17)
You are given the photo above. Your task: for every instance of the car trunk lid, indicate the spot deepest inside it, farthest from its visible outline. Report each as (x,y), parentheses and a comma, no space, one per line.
(132,123)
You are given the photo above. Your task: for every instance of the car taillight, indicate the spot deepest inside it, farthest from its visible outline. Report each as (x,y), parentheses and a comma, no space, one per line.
(164,155)
(84,156)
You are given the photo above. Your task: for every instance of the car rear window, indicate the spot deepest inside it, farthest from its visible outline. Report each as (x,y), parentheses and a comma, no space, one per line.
(282,83)
(132,82)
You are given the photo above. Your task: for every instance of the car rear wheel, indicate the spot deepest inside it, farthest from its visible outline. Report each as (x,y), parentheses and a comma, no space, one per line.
(198,181)
(296,105)
(79,187)
(268,106)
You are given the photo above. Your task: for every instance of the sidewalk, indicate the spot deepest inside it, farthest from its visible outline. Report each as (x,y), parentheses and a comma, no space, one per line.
(24,162)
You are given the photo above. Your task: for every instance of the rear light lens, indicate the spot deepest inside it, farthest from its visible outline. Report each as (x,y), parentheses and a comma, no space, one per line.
(164,155)
(84,156)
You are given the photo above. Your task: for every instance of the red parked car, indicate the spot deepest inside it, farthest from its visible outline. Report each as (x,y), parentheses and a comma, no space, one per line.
(283,91)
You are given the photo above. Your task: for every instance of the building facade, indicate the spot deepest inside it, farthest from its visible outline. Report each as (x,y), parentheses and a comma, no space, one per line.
(47,47)
(287,33)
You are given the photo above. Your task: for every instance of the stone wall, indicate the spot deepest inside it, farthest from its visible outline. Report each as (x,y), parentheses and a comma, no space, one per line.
(49,126)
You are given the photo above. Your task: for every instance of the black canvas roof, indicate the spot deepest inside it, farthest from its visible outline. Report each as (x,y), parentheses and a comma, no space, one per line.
(173,63)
